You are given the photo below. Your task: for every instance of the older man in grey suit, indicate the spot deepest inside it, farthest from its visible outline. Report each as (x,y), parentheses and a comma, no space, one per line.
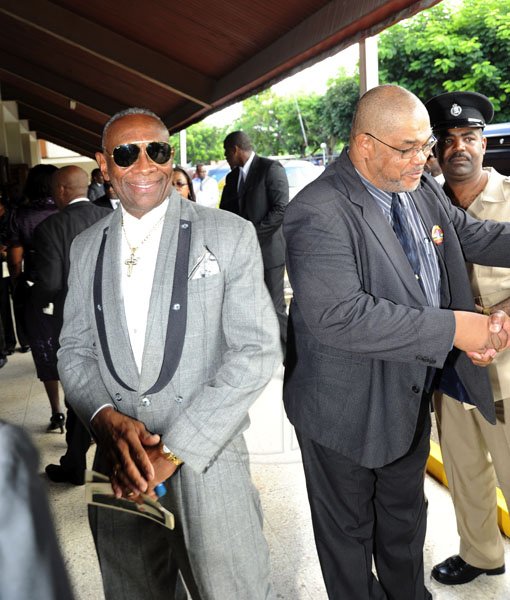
(382,301)
(169,336)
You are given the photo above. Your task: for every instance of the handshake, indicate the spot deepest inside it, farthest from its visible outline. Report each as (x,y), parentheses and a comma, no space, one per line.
(497,339)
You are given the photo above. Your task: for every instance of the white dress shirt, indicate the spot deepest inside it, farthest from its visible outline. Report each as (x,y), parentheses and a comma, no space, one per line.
(136,289)
(206,191)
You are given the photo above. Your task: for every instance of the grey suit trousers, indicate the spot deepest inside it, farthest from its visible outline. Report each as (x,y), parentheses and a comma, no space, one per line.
(222,540)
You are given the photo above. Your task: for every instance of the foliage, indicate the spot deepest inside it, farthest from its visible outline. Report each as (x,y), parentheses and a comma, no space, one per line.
(274,126)
(337,109)
(452,47)
(449,47)
(204,143)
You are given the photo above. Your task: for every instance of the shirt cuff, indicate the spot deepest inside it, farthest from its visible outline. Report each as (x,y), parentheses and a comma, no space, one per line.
(100,409)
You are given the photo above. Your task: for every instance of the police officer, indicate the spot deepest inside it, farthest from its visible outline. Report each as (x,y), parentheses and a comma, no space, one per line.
(476,454)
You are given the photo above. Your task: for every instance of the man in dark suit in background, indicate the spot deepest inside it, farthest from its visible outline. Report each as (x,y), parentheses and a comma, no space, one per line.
(257,189)
(52,243)
(382,302)
(96,188)
(110,199)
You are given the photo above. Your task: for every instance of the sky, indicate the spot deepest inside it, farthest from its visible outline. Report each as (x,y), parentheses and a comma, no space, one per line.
(319,73)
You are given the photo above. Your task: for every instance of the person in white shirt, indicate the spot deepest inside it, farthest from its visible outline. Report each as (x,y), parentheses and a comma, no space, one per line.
(206,188)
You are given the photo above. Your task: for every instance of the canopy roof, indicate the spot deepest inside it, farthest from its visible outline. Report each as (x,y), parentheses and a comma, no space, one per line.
(71,64)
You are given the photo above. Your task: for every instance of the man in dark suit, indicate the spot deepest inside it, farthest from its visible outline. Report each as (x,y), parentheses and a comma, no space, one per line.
(257,189)
(96,188)
(110,199)
(382,309)
(52,243)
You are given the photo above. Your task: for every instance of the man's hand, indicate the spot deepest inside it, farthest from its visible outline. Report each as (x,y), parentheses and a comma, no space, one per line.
(163,468)
(125,442)
(499,329)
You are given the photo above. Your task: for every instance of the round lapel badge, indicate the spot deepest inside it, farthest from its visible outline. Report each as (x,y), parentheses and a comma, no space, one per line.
(437,235)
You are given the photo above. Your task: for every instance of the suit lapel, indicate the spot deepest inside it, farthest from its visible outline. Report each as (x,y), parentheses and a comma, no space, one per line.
(431,215)
(252,176)
(159,306)
(167,317)
(380,227)
(117,335)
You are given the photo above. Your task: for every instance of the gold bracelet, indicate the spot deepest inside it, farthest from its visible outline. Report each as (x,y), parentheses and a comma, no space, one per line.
(171,457)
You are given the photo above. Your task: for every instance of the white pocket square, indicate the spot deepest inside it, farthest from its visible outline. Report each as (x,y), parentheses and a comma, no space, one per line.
(205,266)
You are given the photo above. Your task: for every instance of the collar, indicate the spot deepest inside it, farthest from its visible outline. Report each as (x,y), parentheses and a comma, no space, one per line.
(246,167)
(497,188)
(147,221)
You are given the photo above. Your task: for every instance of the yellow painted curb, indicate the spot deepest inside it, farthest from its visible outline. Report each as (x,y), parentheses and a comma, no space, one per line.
(436,469)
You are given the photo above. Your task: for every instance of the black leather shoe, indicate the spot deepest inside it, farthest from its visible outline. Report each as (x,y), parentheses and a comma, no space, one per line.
(24,349)
(455,570)
(3,361)
(58,474)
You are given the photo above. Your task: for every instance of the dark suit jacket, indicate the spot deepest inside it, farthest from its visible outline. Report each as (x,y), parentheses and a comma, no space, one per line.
(361,335)
(52,243)
(104,202)
(263,202)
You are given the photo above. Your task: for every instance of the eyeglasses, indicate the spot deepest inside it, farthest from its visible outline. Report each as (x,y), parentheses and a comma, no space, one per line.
(426,149)
(180,184)
(126,155)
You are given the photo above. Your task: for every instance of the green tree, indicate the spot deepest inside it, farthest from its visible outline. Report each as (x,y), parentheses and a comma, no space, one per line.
(274,125)
(337,108)
(452,47)
(204,143)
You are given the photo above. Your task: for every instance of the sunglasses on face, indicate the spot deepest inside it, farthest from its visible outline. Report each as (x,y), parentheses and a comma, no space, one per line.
(180,184)
(126,155)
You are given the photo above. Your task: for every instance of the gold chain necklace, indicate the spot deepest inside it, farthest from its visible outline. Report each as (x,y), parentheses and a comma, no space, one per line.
(132,260)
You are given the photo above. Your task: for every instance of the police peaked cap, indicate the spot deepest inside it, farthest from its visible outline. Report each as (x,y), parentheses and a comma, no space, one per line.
(459,109)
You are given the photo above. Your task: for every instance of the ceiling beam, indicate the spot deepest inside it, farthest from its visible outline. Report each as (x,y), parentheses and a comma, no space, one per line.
(58,84)
(43,133)
(60,126)
(111,47)
(25,97)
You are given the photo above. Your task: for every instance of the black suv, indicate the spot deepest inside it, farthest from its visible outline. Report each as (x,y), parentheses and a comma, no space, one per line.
(497,154)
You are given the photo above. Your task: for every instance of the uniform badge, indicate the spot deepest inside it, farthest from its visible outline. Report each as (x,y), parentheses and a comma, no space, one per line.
(455,110)
(437,235)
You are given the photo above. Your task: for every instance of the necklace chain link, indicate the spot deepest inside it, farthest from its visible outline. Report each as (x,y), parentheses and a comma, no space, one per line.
(132,260)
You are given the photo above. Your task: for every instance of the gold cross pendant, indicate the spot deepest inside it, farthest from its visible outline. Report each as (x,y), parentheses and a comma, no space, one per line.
(130,262)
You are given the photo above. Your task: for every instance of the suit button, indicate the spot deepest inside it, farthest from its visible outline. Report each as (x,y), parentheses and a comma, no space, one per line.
(146,402)
(416,389)
(118,397)
(178,399)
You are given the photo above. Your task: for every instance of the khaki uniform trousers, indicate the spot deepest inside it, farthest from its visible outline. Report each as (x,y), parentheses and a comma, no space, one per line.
(476,456)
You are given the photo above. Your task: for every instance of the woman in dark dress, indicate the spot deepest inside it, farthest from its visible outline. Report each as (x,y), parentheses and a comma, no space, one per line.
(39,325)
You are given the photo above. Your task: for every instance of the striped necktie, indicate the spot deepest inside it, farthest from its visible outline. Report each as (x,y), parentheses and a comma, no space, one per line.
(404,234)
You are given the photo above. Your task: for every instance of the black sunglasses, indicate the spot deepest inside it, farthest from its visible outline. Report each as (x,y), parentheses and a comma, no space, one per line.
(126,155)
